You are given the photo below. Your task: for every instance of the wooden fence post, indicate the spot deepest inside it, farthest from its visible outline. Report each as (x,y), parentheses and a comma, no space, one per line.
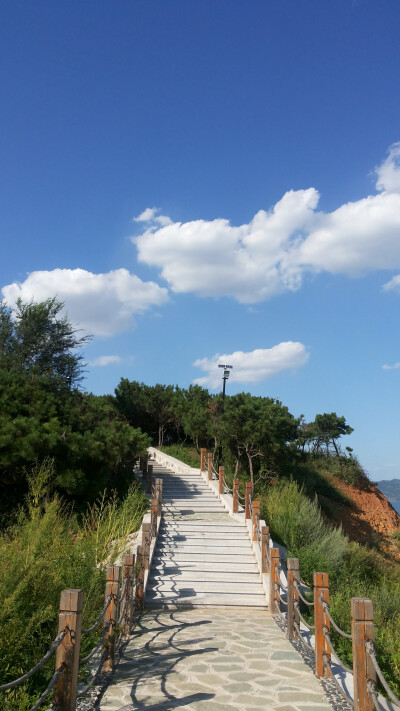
(67,653)
(273,580)
(362,629)
(154,510)
(149,478)
(235,496)
(265,549)
(143,466)
(248,492)
(321,619)
(203,453)
(209,465)
(159,496)
(146,533)
(129,563)
(221,480)
(111,616)
(256,519)
(293,575)
(139,577)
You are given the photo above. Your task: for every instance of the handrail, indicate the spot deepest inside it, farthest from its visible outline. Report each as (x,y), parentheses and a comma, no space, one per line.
(53,646)
(365,665)
(370,649)
(124,601)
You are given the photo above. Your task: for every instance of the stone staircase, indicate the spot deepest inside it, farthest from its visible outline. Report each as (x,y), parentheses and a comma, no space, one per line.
(203,556)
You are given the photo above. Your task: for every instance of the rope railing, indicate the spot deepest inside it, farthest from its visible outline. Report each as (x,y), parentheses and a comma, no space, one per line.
(120,603)
(301,618)
(52,649)
(329,672)
(333,651)
(53,681)
(99,619)
(370,649)
(301,596)
(290,595)
(325,607)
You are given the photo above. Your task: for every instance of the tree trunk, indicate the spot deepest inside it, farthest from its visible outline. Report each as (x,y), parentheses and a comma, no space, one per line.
(250,458)
(160,435)
(335,446)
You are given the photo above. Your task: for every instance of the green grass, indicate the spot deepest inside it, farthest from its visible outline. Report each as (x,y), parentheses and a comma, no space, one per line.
(186,454)
(354,570)
(47,550)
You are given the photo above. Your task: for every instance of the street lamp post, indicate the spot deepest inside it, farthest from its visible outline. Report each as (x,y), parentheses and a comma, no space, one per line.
(227,369)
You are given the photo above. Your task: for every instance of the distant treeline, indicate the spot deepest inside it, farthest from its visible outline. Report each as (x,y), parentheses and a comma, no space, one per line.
(93,440)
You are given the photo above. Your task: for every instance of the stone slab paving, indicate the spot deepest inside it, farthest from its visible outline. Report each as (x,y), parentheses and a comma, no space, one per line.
(212,660)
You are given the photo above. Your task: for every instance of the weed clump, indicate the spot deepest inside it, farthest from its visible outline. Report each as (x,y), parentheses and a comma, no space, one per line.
(46,550)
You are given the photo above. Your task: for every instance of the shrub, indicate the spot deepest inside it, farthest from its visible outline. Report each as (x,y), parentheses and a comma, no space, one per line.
(46,551)
(188,455)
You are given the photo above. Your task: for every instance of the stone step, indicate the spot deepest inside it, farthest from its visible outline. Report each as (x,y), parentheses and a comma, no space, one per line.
(197,537)
(206,600)
(209,526)
(171,573)
(204,567)
(204,546)
(207,586)
(185,557)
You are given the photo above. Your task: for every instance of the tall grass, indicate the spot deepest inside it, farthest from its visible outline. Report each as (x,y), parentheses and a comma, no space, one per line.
(354,571)
(47,550)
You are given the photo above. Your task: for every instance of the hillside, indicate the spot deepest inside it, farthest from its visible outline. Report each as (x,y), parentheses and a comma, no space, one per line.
(367,514)
(390,488)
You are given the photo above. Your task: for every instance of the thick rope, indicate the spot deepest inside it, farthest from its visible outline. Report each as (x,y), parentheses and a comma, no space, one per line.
(56,643)
(370,647)
(100,617)
(338,686)
(53,681)
(325,608)
(303,599)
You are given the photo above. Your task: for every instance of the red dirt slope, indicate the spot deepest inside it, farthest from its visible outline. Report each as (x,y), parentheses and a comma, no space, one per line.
(369,515)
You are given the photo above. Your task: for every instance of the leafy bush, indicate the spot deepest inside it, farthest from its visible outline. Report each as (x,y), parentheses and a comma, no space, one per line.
(354,570)
(296,520)
(347,469)
(188,455)
(46,551)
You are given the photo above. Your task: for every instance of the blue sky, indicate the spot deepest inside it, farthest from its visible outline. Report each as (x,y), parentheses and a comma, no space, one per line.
(258,144)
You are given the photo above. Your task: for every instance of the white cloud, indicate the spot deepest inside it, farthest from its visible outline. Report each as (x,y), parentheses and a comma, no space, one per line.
(388,172)
(101,304)
(391,367)
(271,253)
(150,215)
(105,360)
(393,284)
(252,367)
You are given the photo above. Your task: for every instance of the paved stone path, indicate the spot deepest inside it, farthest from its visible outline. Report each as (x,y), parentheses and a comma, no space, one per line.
(213,645)
(212,660)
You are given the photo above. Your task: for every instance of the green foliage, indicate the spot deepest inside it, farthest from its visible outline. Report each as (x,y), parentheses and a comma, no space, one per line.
(296,521)
(326,429)
(354,571)
(41,341)
(185,454)
(46,551)
(196,420)
(147,407)
(347,469)
(92,445)
(255,430)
